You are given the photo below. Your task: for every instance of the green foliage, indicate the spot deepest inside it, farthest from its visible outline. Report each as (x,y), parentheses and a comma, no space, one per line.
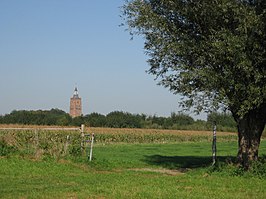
(175,121)
(52,117)
(181,119)
(224,121)
(6,149)
(41,144)
(77,121)
(75,150)
(95,120)
(119,119)
(257,169)
(211,52)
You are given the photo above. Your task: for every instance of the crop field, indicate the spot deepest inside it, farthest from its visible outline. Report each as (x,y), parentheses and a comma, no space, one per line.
(131,135)
(127,163)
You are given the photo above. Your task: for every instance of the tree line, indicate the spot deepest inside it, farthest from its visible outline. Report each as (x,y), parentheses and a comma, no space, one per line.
(119,119)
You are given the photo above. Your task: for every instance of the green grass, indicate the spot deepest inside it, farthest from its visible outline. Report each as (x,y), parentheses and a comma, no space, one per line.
(170,156)
(132,171)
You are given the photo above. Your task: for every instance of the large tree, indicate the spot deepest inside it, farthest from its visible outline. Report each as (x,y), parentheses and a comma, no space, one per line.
(211,52)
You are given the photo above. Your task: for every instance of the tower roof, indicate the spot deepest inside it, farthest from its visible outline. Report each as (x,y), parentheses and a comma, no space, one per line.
(76,94)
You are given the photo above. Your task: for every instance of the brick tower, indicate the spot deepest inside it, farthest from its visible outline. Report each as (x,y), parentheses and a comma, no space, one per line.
(75,104)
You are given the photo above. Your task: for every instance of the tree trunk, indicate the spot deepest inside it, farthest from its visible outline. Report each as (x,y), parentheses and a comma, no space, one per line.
(250,128)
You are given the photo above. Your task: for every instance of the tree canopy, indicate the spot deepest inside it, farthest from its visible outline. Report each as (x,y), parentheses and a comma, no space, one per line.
(211,52)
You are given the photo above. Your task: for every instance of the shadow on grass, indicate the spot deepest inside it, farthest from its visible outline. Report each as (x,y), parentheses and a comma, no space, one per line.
(184,162)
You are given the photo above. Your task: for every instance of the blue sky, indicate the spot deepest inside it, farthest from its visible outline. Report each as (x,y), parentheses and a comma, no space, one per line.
(49,46)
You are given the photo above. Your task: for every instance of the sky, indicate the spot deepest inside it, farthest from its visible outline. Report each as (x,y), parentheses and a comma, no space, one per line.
(47,47)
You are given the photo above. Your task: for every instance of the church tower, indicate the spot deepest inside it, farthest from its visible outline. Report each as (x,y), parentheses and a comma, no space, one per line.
(75,104)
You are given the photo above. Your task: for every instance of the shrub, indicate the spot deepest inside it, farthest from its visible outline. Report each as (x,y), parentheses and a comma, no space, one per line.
(6,149)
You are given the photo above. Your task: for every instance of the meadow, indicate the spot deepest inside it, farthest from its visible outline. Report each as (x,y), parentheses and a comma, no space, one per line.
(126,164)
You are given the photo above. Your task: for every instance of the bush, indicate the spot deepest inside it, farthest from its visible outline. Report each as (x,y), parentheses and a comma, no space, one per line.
(258,168)
(6,149)
(40,144)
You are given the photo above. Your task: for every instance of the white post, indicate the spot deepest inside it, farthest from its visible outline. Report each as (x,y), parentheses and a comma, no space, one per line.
(82,139)
(92,139)
(66,144)
(214,145)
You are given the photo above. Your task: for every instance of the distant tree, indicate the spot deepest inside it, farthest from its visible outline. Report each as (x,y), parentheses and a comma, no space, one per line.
(64,120)
(175,121)
(95,120)
(211,52)
(18,117)
(160,121)
(222,119)
(77,121)
(39,117)
(181,119)
(119,119)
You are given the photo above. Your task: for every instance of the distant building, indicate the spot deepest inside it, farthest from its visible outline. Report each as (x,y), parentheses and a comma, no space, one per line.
(75,104)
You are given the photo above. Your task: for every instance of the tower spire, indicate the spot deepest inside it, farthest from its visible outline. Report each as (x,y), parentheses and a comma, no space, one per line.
(76,94)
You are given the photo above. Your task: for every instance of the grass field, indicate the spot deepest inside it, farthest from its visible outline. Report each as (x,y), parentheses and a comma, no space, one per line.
(139,170)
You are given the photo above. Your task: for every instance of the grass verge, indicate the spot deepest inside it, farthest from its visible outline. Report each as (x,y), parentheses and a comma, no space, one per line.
(132,171)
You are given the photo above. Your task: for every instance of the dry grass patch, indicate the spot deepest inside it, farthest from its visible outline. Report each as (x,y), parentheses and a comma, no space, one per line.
(162,171)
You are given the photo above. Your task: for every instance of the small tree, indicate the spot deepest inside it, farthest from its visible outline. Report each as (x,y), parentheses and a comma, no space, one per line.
(211,52)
